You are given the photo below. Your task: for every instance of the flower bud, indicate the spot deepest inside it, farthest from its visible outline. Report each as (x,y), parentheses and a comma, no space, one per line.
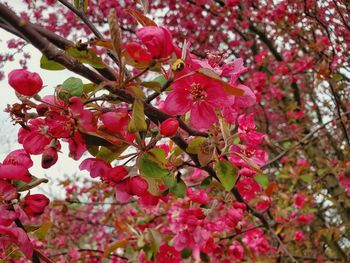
(34,205)
(49,157)
(169,127)
(116,174)
(25,82)
(137,186)
(41,109)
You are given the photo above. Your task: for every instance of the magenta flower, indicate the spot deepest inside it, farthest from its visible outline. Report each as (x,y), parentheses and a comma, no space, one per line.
(200,95)
(25,82)
(157,40)
(35,204)
(15,166)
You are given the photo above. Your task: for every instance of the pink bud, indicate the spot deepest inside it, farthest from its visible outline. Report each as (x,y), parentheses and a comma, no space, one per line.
(49,157)
(34,205)
(116,174)
(169,127)
(137,186)
(25,82)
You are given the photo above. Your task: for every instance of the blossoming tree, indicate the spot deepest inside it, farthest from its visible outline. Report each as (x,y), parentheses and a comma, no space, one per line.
(197,121)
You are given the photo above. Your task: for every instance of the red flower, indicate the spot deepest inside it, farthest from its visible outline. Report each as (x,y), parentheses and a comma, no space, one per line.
(16,235)
(25,82)
(169,127)
(34,205)
(116,174)
(137,186)
(116,121)
(15,166)
(158,40)
(200,95)
(168,254)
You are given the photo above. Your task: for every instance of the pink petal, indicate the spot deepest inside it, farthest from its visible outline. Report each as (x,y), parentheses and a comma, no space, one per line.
(177,103)
(202,116)
(14,172)
(19,157)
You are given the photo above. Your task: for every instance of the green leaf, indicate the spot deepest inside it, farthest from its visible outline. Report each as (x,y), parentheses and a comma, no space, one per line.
(283,176)
(41,232)
(262,179)
(154,85)
(306,178)
(169,181)
(337,77)
(138,121)
(194,146)
(179,189)
(227,174)
(186,253)
(22,186)
(71,87)
(157,155)
(89,87)
(155,239)
(110,155)
(45,63)
(149,168)
(85,5)
(86,56)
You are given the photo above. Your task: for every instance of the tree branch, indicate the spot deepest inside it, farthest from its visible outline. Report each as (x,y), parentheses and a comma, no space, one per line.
(303,141)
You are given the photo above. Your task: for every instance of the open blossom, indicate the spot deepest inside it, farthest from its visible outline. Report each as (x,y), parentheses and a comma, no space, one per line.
(168,254)
(236,251)
(15,235)
(15,166)
(256,241)
(201,96)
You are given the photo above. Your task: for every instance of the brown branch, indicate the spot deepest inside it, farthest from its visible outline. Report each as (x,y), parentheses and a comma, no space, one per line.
(337,105)
(48,49)
(89,24)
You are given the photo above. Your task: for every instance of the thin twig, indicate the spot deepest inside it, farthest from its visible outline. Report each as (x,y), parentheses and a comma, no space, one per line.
(303,141)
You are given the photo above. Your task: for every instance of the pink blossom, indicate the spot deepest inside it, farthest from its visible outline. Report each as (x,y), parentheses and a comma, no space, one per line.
(15,235)
(7,191)
(200,196)
(299,235)
(35,204)
(168,254)
(201,96)
(96,167)
(236,251)
(344,181)
(7,215)
(256,242)
(299,200)
(158,40)
(25,82)
(248,188)
(305,219)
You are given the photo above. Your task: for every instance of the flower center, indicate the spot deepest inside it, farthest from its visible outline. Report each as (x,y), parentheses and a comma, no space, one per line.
(198,92)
